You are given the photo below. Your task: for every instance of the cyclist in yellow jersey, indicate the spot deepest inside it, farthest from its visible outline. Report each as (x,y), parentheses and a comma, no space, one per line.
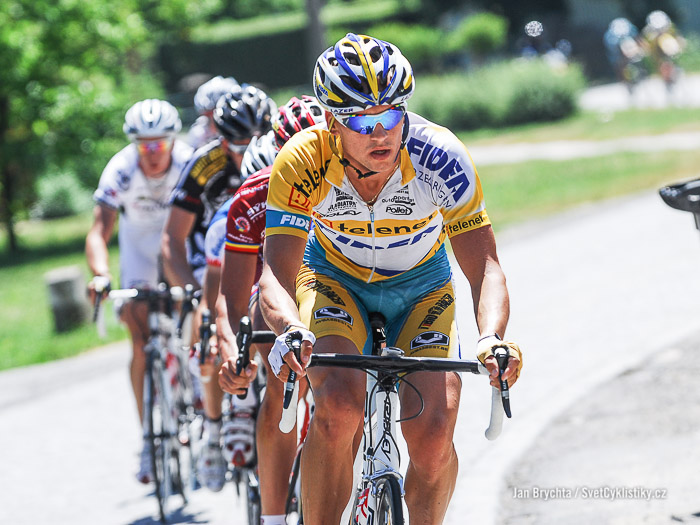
(383,189)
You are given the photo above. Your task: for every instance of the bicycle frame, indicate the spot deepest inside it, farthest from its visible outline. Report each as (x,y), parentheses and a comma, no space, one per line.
(380,449)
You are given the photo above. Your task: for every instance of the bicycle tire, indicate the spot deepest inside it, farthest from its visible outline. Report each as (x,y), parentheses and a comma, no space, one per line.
(253,502)
(293,502)
(388,502)
(164,454)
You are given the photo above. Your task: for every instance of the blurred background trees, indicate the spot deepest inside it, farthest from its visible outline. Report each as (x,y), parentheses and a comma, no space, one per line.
(71,69)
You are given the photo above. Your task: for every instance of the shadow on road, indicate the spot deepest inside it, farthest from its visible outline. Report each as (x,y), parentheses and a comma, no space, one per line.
(181,515)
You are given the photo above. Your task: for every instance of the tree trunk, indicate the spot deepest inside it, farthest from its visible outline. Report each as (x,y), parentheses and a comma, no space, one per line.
(6,177)
(315,32)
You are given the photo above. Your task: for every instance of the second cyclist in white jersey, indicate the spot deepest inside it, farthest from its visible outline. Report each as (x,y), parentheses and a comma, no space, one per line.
(135,189)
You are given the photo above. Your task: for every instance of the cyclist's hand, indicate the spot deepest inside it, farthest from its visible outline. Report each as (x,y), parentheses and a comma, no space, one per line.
(233,383)
(211,362)
(485,354)
(100,284)
(282,360)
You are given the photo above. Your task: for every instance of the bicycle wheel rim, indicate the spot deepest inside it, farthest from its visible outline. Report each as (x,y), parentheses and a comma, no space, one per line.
(389,508)
(154,429)
(164,451)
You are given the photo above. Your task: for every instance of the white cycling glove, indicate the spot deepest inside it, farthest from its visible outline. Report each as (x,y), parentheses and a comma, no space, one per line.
(280,348)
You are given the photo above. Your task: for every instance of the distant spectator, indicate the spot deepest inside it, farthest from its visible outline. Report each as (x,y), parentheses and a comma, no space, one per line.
(665,45)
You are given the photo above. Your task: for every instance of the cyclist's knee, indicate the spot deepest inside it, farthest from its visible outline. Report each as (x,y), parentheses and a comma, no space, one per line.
(339,407)
(435,429)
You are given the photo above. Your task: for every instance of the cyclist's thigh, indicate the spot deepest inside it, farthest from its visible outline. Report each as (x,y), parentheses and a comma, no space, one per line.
(329,311)
(430,330)
(134,314)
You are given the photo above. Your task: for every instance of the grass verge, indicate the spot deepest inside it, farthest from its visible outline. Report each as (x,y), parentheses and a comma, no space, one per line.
(519,192)
(592,126)
(27,333)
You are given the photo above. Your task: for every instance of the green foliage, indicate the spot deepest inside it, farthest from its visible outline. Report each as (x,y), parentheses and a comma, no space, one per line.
(481,35)
(499,95)
(421,45)
(70,70)
(690,58)
(60,195)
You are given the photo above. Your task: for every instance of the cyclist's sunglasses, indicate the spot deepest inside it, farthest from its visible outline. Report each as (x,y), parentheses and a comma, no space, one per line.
(145,146)
(365,124)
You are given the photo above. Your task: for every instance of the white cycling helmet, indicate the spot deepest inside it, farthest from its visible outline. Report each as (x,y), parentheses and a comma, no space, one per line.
(360,72)
(211,91)
(261,152)
(151,118)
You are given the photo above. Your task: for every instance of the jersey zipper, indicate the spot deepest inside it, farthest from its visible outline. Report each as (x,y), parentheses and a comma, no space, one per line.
(374,249)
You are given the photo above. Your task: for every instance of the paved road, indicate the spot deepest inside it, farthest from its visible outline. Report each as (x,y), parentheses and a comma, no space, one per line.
(594,291)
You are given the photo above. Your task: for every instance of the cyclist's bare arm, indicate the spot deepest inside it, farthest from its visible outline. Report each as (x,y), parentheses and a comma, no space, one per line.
(104,219)
(174,247)
(475,252)
(282,259)
(237,280)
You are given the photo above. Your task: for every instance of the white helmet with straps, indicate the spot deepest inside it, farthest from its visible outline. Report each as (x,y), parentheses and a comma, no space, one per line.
(360,72)
(151,118)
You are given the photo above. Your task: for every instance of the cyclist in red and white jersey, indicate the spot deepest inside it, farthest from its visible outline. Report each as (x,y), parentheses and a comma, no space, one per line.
(203,130)
(384,189)
(235,238)
(211,177)
(135,189)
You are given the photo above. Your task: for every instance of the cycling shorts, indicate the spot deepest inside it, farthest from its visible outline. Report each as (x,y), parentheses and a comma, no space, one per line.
(420,315)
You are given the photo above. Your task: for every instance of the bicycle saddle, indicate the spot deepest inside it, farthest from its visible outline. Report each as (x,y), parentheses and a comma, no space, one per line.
(684,196)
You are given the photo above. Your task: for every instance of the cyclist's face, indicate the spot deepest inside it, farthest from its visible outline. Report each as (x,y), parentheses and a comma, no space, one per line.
(377,150)
(154,154)
(235,150)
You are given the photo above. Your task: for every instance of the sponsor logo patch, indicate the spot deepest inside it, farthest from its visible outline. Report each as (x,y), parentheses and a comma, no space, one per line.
(430,338)
(398,209)
(242,224)
(334,313)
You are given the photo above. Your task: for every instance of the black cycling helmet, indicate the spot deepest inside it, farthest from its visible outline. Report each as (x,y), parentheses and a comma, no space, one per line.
(244,114)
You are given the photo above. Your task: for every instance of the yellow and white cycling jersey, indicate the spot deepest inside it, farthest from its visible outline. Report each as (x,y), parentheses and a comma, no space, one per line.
(435,192)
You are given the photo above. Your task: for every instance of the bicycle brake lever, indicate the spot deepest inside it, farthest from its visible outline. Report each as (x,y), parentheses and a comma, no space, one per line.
(295,345)
(501,355)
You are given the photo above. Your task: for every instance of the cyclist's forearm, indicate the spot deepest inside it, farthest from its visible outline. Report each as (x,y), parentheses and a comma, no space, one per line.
(277,304)
(175,265)
(224,330)
(97,238)
(491,303)
(283,257)
(97,255)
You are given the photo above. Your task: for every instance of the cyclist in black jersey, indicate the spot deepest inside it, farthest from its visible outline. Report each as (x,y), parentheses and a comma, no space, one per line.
(212,177)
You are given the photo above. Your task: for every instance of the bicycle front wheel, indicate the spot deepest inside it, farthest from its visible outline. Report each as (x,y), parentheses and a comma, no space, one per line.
(388,502)
(162,435)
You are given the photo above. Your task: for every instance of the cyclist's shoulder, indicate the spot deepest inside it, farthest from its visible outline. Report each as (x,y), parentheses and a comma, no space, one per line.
(207,160)
(123,164)
(182,152)
(310,147)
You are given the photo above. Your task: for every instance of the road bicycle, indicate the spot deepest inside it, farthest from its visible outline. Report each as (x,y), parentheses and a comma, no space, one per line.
(378,498)
(684,196)
(169,414)
(245,477)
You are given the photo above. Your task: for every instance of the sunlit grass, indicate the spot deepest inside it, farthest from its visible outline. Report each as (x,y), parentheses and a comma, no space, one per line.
(587,125)
(519,192)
